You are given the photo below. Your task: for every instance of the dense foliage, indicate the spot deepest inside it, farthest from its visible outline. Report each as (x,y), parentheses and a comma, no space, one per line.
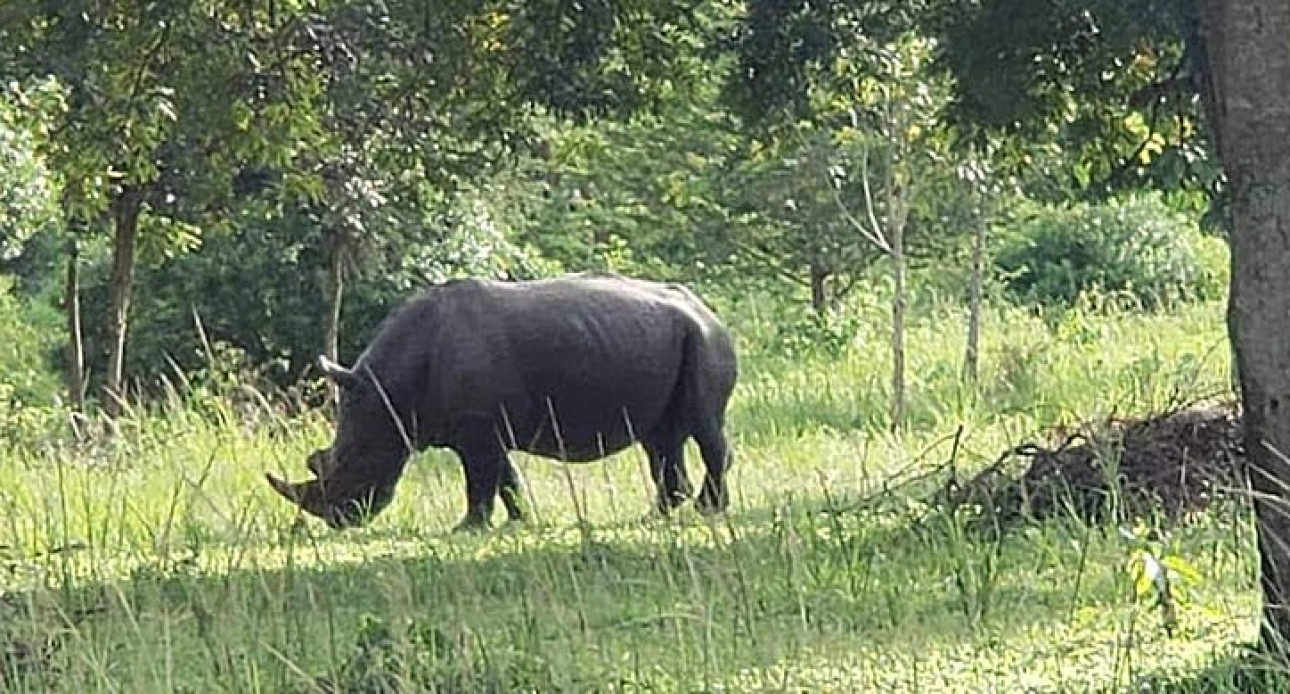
(27,337)
(1136,248)
(28,190)
(343,183)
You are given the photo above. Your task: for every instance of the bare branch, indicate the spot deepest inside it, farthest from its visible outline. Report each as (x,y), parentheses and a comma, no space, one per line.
(881,239)
(873,232)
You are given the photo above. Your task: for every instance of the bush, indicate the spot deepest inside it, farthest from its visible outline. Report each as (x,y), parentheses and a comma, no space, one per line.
(1138,249)
(809,333)
(28,337)
(30,389)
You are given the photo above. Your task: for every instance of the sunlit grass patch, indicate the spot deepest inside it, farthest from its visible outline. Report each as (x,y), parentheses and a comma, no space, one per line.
(1097,655)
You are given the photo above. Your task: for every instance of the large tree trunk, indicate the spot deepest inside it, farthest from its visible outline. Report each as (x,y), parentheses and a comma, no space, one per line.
(1247,46)
(75,345)
(125,218)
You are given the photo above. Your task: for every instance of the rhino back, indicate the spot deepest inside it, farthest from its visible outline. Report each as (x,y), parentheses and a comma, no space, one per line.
(574,367)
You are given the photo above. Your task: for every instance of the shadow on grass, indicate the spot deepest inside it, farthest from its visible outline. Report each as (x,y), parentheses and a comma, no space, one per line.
(663,604)
(1244,670)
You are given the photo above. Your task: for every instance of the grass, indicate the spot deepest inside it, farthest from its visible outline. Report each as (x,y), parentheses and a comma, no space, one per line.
(162,562)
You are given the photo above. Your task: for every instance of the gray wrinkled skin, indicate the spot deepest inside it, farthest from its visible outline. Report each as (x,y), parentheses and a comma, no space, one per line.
(573,368)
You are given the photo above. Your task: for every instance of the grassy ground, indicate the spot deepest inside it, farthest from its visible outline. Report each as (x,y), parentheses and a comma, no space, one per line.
(163,562)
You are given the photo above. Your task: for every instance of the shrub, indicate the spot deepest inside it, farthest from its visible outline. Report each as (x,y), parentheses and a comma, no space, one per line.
(800,332)
(30,389)
(1137,249)
(28,336)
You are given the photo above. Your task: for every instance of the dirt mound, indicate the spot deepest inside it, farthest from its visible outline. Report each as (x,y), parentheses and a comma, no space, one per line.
(1174,462)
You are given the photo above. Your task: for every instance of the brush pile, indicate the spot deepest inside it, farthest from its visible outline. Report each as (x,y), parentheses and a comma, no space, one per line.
(1174,463)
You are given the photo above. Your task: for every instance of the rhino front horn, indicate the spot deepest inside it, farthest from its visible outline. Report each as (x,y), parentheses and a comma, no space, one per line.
(307,495)
(290,492)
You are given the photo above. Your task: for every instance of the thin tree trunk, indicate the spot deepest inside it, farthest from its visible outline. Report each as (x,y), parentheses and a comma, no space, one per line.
(335,299)
(897,201)
(898,306)
(75,346)
(972,356)
(125,218)
(1248,101)
(819,292)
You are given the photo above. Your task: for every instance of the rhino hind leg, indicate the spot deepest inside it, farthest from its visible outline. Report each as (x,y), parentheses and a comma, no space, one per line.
(713,497)
(667,467)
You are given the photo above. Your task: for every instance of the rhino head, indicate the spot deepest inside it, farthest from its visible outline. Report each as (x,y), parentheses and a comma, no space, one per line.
(354,480)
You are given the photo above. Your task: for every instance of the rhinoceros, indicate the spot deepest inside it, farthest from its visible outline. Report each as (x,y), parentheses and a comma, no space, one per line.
(573,368)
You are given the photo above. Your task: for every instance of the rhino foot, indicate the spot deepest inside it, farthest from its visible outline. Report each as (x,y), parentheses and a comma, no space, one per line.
(472,524)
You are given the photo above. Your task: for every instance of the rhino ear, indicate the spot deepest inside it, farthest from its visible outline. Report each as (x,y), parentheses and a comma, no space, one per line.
(343,377)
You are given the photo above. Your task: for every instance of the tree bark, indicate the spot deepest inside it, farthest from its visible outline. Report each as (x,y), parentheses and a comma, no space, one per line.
(972,355)
(1247,96)
(897,194)
(125,218)
(75,346)
(819,292)
(898,305)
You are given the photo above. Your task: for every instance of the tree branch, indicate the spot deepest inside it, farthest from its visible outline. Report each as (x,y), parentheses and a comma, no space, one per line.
(771,260)
(874,234)
(148,57)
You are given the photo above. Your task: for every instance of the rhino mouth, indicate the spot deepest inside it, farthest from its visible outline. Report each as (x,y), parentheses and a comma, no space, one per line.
(339,507)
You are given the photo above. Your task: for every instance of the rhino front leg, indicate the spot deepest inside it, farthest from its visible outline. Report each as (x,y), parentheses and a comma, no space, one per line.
(483,465)
(511,491)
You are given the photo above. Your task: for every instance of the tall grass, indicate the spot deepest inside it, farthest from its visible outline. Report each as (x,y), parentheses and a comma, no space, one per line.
(161,561)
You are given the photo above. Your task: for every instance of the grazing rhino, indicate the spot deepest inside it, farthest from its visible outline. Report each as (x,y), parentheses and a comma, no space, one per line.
(573,368)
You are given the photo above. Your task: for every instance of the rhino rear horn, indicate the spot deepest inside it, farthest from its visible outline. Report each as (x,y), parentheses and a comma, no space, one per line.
(345,378)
